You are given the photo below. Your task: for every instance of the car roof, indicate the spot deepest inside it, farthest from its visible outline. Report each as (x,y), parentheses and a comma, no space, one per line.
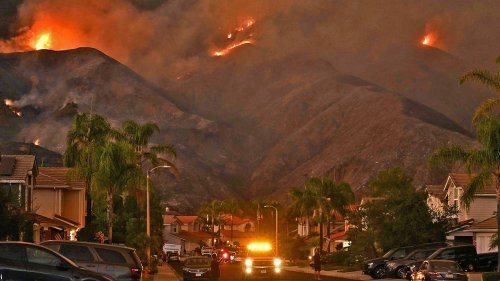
(41,246)
(116,246)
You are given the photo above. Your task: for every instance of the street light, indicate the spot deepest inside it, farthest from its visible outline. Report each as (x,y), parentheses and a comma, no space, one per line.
(148,226)
(269,206)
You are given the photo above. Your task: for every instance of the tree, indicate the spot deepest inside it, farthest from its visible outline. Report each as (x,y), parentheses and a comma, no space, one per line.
(212,210)
(318,198)
(115,172)
(484,161)
(231,207)
(490,79)
(87,134)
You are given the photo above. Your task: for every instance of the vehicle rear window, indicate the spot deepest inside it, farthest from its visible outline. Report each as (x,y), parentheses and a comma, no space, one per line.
(76,253)
(110,256)
(198,261)
(12,252)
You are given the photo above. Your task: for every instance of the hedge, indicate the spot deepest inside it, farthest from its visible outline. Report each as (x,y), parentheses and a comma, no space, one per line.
(491,276)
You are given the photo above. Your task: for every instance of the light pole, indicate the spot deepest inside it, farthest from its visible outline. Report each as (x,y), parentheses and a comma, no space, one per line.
(148,226)
(269,206)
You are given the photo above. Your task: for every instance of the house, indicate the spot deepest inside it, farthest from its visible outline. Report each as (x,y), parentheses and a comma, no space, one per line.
(184,231)
(58,203)
(17,179)
(482,207)
(482,233)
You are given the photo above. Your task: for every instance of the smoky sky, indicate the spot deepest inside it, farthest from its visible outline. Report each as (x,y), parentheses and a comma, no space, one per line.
(163,39)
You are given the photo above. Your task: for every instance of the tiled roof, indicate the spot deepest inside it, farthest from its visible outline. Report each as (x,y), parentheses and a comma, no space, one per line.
(168,219)
(339,217)
(23,164)
(461,180)
(490,223)
(236,234)
(436,190)
(238,220)
(58,177)
(187,219)
(195,236)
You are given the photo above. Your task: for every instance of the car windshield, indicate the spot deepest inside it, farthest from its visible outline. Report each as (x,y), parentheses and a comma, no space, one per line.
(197,262)
(389,254)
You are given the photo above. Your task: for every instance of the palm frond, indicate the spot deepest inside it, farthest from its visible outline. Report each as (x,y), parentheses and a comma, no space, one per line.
(486,77)
(484,110)
(448,155)
(166,149)
(477,184)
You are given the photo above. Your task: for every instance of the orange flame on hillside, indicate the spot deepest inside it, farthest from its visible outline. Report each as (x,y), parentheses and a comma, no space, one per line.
(10,104)
(428,40)
(236,38)
(43,42)
(36,142)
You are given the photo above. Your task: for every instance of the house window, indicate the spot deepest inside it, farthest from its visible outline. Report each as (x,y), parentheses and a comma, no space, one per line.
(175,228)
(456,197)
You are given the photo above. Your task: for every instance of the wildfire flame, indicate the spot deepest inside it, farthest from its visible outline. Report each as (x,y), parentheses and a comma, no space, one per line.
(236,39)
(43,42)
(428,40)
(9,103)
(229,48)
(36,142)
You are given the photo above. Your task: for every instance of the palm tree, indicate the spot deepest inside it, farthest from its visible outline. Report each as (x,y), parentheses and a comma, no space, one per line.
(87,134)
(489,79)
(212,210)
(485,161)
(115,172)
(231,207)
(320,196)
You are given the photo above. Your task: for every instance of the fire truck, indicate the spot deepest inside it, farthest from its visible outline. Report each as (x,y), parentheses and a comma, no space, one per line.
(260,262)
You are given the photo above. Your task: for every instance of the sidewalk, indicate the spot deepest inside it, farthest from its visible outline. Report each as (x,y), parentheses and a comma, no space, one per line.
(166,273)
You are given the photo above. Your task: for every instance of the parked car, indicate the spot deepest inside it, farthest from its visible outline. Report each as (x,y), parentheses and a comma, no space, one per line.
(439,270)
(120,262)
(196,268)
(376,267)
(208,251)
(173,257)
(398,268)
(27,261)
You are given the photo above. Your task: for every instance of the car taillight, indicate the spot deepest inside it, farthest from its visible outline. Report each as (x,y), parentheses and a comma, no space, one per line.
(461,275)
(434,274)
(135,272)
(224,255)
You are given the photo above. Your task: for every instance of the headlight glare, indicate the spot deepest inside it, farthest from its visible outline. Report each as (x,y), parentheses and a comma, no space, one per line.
(248,262)
(277,262)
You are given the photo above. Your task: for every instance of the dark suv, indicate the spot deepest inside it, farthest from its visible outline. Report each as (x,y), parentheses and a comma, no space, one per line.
(120,262)
(20,261)
(398,268)
(465,255)
(376,268)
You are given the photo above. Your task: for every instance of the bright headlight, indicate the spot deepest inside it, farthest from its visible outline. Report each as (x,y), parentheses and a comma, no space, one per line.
(248,262)
(277,262)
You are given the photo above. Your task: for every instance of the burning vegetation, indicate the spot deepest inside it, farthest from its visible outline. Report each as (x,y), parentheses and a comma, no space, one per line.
(10,104)
(42,42)
(240,36)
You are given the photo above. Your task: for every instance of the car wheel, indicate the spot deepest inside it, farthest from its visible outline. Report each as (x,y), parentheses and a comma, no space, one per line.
(470,267)
(400,272)
(378,272)
(494,268)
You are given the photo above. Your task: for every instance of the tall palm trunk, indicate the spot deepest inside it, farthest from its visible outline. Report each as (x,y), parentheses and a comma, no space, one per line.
(109,215)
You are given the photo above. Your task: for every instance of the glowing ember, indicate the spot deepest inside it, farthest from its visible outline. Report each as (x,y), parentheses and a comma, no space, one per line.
(18,113)
(36,142)
(43,42)
(8,102)
(228,49)
(229,36)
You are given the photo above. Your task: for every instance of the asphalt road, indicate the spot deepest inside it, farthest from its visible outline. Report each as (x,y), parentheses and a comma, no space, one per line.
(232,272)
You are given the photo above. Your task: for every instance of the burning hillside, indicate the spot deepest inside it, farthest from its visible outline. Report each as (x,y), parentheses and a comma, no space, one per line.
(240,36)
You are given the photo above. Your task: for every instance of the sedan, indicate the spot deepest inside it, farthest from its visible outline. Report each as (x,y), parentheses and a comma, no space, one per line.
(197,268)
(28,261)
(439,270)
